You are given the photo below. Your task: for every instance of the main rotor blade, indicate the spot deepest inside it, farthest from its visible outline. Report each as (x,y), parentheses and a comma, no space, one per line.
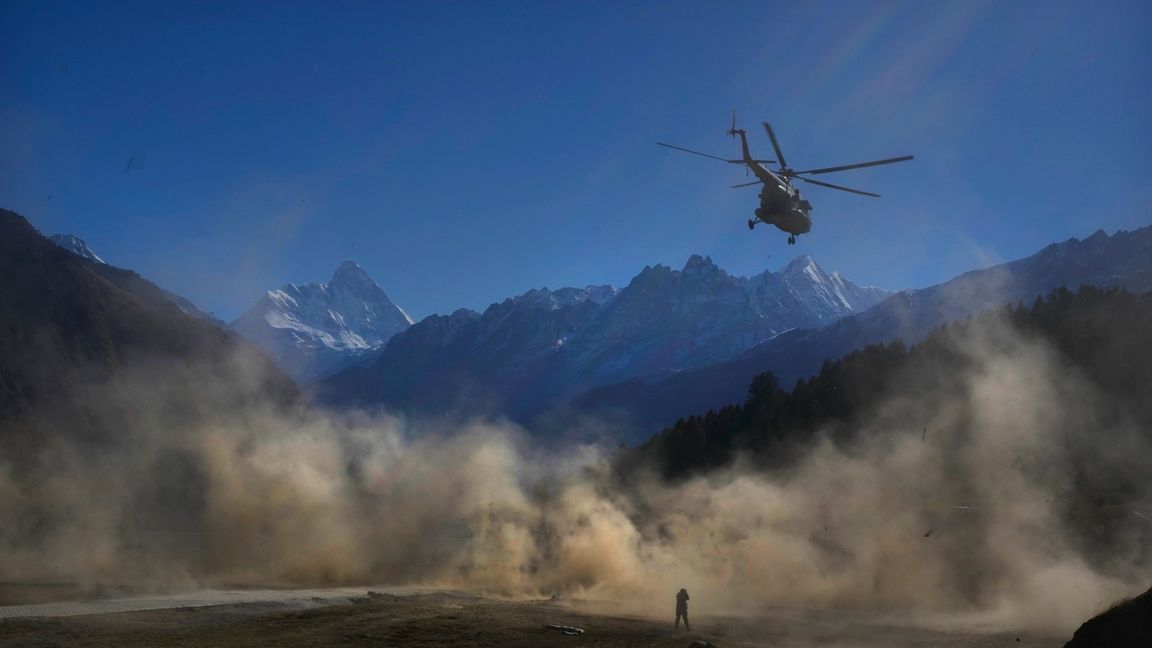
(860,165)
(707,155)
(775,144)
(747,184)
(832,186)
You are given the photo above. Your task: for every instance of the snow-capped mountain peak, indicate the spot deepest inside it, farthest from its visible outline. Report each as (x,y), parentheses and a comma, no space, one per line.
(802,294)
(804,267)
(315,328)
(350,276)
(77,246)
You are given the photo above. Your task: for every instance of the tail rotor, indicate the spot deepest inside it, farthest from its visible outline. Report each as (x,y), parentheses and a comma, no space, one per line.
(732,132)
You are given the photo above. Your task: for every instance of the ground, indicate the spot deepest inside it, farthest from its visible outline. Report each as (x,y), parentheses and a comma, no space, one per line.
(455,619)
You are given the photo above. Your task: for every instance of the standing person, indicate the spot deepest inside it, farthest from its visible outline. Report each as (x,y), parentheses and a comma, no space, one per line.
(682,609)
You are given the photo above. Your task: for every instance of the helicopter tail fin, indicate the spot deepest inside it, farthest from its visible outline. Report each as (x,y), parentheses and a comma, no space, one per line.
(732,131)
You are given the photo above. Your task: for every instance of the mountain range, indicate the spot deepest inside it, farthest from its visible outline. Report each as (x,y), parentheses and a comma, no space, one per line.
(669,344)
(1121,260)
(311,330)
(530,352)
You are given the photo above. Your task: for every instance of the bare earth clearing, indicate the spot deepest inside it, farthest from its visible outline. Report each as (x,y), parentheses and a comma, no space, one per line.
(451,619)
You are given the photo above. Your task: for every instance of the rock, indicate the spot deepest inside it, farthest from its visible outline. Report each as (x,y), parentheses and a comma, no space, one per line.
(1127,624)
(568,630)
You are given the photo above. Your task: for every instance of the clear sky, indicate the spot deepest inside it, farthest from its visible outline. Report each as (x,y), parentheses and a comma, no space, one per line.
(466,152)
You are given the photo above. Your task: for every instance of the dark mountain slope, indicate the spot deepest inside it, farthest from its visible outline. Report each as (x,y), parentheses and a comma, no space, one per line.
(1103,335)
(77,246)
(69,326)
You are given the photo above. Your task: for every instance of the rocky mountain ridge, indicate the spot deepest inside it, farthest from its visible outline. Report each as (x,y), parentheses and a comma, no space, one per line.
(530,351)
(77,246)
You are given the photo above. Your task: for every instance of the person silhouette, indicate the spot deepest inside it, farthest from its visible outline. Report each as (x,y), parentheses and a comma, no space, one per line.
(682,609)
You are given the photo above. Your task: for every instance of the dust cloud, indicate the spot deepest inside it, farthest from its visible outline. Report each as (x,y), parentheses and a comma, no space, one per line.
(946,505)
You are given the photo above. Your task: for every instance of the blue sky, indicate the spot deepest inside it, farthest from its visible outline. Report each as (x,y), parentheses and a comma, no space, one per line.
(466,152)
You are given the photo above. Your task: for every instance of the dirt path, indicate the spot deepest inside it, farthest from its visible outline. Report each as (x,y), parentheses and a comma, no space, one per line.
(463,620)
(61,606)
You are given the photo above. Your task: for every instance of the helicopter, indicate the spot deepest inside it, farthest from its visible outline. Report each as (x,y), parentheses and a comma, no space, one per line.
(780,202)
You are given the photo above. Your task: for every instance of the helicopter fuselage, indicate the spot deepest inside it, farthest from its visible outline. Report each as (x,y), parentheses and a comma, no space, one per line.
(780,202)
(782,206)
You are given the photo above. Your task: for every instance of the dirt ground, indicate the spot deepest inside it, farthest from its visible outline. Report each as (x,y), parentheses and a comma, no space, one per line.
(463,620)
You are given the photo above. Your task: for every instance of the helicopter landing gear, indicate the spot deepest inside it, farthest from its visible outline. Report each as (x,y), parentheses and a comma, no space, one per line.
(751,223)
(792,240)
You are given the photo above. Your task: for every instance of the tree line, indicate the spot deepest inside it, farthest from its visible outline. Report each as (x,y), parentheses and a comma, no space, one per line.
(1103,334)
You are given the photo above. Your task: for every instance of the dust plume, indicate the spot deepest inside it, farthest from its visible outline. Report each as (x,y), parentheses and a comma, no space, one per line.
(948,502)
